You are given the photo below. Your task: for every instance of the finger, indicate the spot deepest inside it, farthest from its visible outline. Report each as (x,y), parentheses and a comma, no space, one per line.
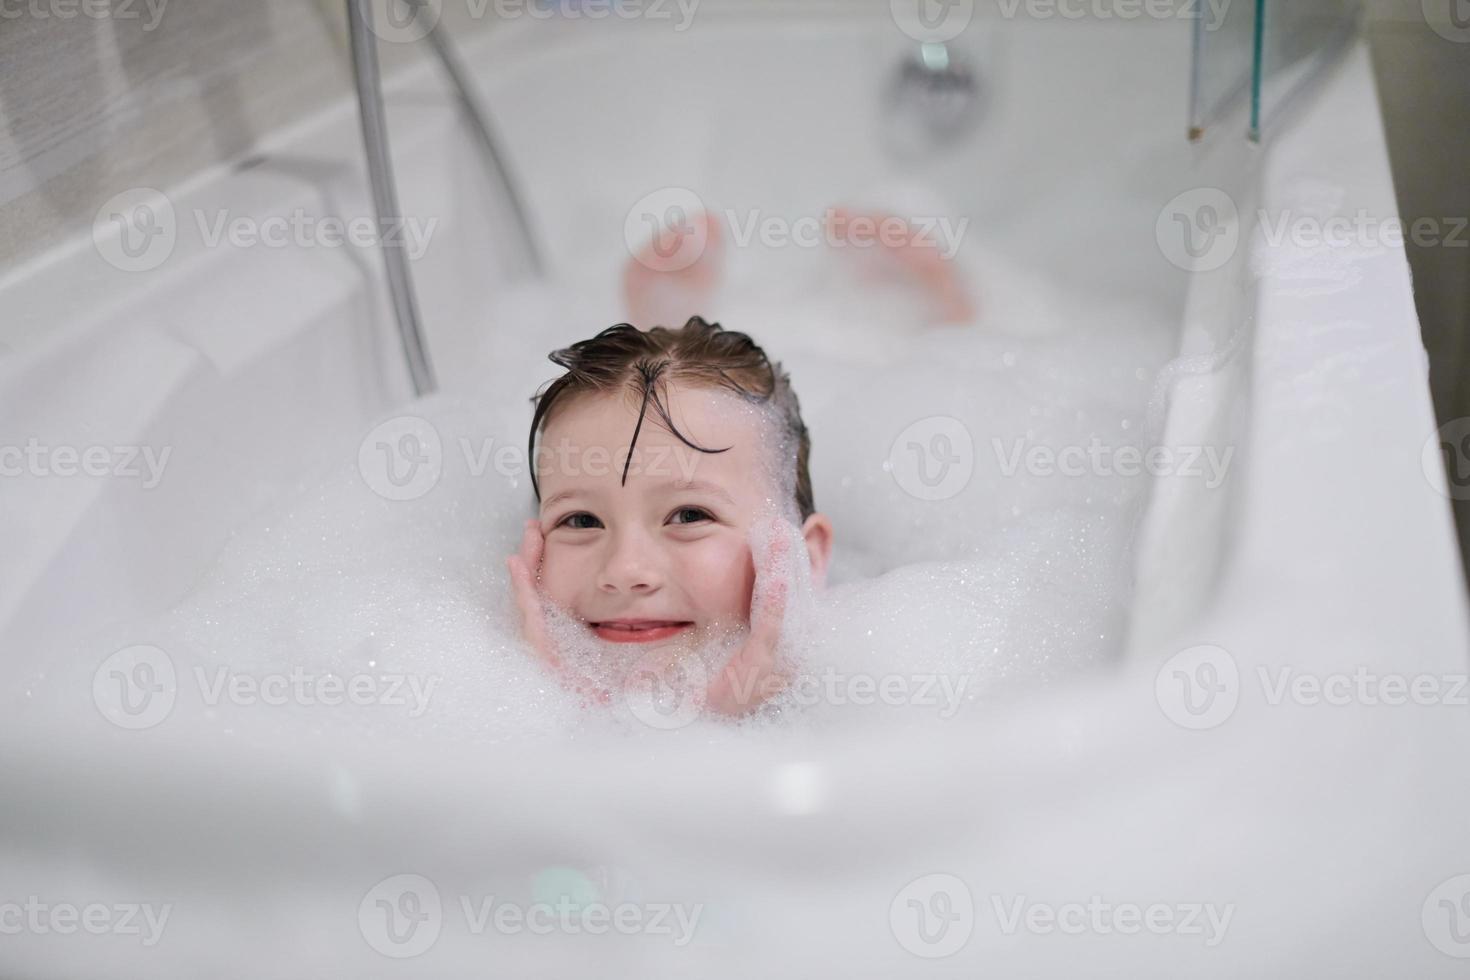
(766,618)
(533,618)
(527,601)
(533,545)
(754,673)
(771,587)
(736,689)
(522,582)
(749,679)
(533,549)
(533,615)
(775,590)
(765,535)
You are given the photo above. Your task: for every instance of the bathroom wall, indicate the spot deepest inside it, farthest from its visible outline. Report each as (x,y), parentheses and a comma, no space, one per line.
(153,92)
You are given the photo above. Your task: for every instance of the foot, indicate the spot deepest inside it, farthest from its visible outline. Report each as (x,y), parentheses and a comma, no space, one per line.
(913,256)
(673,277)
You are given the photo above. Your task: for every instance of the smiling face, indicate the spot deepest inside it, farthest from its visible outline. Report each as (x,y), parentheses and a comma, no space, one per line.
(670,545)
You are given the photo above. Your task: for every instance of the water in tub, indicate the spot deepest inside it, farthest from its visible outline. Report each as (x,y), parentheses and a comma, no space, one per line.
(981,509)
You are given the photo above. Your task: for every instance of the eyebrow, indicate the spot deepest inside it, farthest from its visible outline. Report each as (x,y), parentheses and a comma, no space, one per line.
(714,489)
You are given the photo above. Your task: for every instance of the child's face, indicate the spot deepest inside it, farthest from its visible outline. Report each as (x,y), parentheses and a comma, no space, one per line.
(670,546)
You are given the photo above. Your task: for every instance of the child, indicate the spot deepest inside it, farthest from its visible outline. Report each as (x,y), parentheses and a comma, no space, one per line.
(711,456)
(663,453)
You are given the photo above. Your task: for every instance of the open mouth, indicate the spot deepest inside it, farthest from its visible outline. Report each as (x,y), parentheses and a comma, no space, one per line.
(639,630)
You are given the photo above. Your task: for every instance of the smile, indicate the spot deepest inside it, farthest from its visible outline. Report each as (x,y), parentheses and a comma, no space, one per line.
(639,630)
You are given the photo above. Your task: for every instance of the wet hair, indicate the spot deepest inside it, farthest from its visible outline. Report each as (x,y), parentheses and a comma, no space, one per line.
(698,354)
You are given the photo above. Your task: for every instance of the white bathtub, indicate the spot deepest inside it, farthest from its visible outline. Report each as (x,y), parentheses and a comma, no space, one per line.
(1329,832)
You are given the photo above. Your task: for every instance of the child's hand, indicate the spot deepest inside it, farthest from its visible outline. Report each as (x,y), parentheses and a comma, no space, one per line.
(753,675)
(755,672)
(525,567)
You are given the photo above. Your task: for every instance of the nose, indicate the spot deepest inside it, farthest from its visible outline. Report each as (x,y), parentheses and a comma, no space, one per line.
(631,564)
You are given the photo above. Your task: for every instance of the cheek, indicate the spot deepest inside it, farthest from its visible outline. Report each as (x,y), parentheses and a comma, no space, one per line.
(561,573)
(720,576)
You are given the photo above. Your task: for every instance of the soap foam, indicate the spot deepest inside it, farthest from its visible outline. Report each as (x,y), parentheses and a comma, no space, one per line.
(933,606)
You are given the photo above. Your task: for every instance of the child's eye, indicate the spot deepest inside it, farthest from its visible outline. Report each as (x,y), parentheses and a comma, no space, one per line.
(571,521)
(690,515)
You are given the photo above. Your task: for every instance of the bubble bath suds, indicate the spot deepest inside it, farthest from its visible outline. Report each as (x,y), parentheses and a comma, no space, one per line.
(962,568)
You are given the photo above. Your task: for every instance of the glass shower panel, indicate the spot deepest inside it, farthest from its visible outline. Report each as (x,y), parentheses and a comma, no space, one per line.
(1265,50)
(1224,59)
(1295,40)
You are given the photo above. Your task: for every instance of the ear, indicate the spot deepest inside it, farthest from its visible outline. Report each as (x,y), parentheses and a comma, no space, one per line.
(817,531)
